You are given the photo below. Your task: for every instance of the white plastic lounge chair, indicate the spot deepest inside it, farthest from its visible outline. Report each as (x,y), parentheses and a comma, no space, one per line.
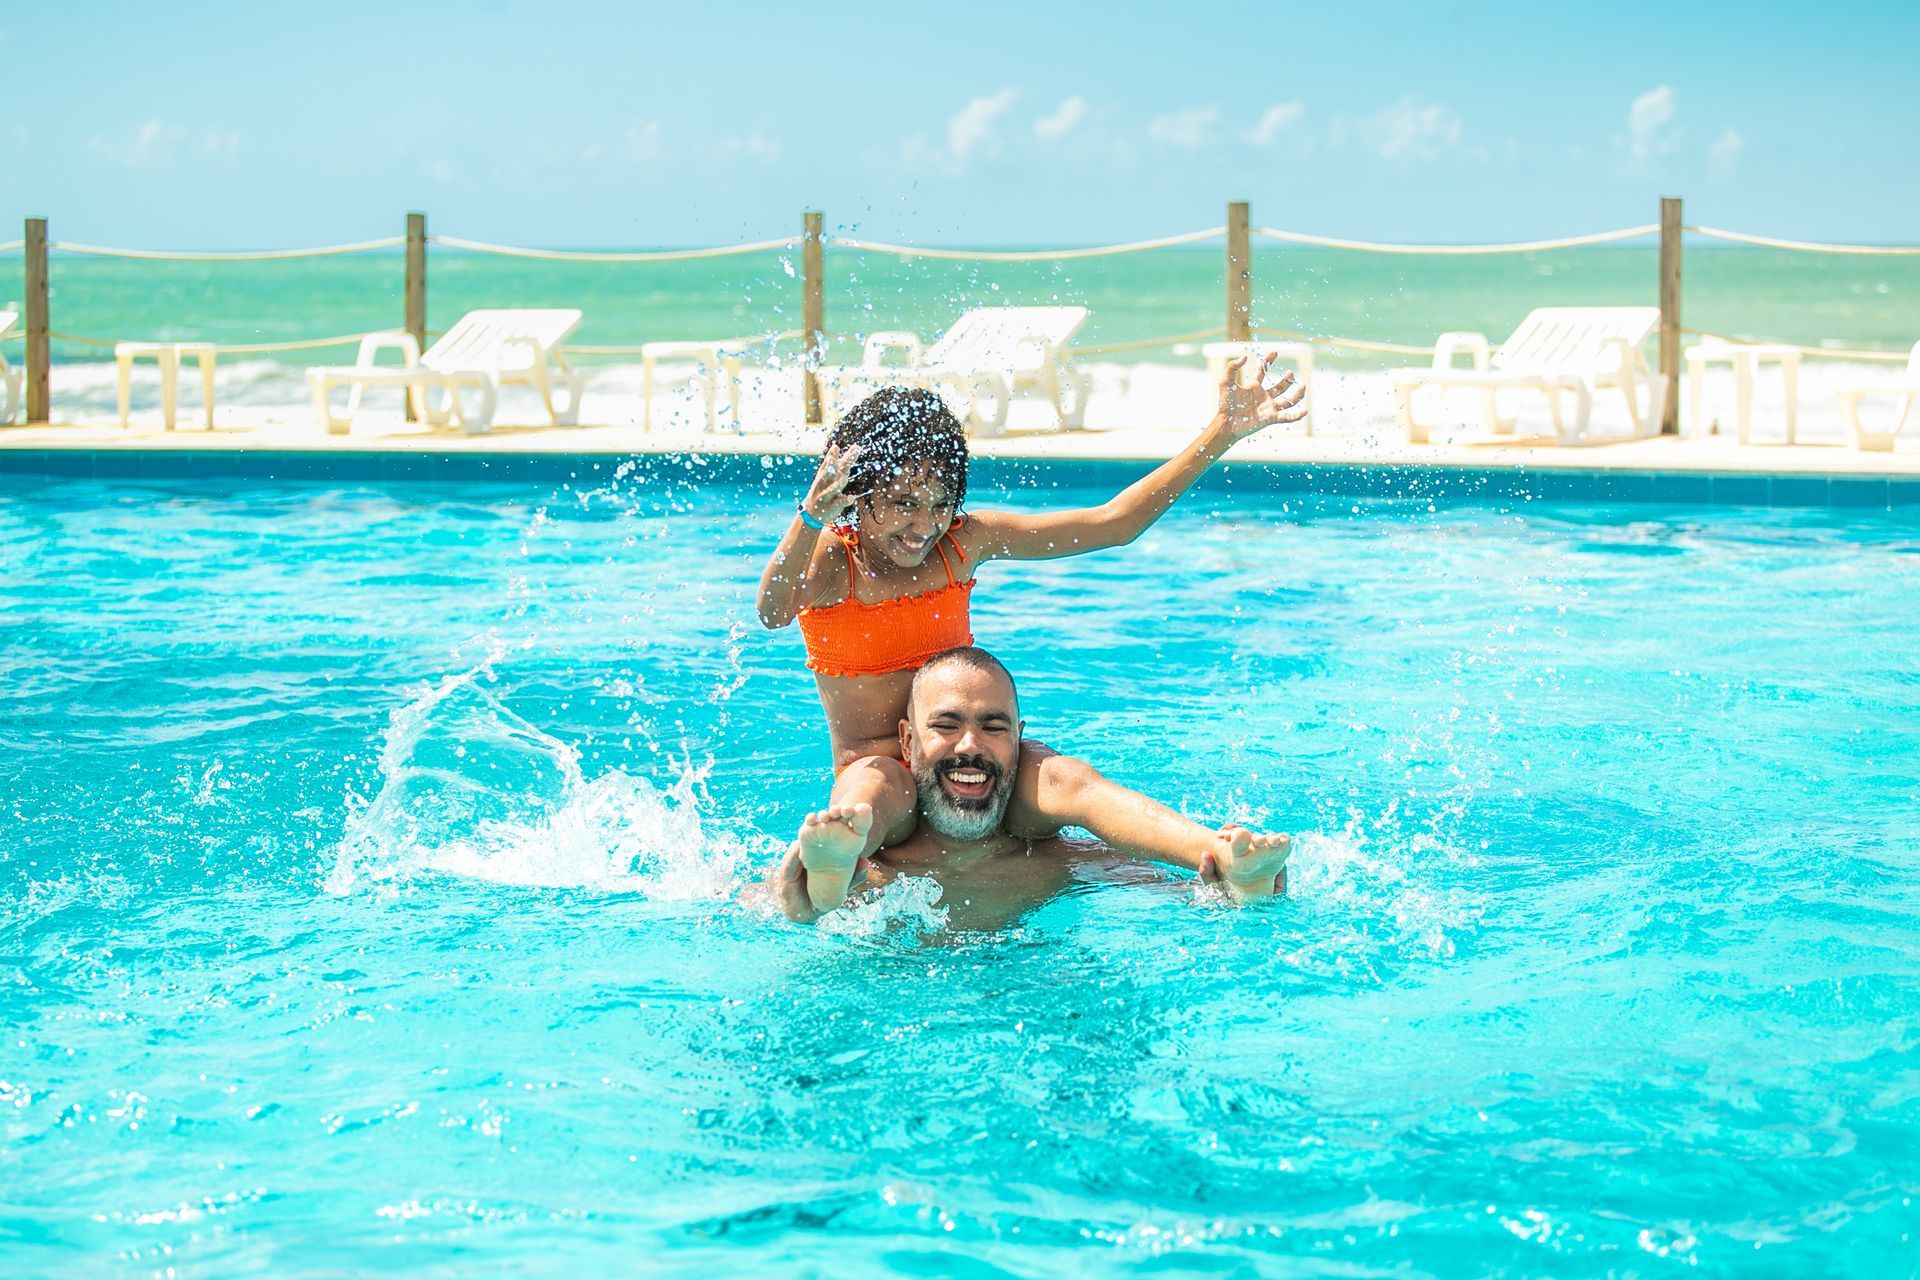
(1907,389)
(989,355)
(11,379)
(1556,350)
(481,352)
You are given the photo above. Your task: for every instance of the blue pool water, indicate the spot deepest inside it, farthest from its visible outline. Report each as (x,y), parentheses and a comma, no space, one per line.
(367,857)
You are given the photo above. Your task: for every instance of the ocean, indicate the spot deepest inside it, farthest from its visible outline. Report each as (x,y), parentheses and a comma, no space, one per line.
(1844,302)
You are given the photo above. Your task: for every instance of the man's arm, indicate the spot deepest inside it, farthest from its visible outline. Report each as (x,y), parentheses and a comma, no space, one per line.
(1071,792)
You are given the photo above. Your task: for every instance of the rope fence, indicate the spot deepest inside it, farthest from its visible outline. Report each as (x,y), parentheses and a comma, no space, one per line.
(968,255)
(808,255)
(227,348)
(1356,344)
(1831,353)
(1148,344)
(585,255)
(1523,246)
(640,349)
(1026,255)
(242,255)
(1807,246)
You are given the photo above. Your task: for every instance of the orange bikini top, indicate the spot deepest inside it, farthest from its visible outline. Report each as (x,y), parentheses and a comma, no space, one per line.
(854,638)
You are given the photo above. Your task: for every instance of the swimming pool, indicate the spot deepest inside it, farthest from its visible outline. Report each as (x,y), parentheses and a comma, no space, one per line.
(365,866)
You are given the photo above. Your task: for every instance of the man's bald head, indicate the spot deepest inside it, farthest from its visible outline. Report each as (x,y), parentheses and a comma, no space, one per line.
(969,657)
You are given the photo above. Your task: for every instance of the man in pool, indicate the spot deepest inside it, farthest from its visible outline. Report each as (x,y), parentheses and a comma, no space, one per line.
(961,739)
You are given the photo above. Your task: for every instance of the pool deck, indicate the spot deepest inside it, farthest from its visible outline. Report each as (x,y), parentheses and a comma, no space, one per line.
(1137,415)
(1718,454)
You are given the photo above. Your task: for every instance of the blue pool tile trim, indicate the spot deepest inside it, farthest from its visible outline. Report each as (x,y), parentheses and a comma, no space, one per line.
(1797,491)
(1739,491)
(1860,491)
(1412,483)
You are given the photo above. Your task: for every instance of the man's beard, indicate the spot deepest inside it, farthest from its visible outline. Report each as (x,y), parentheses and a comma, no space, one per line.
(957,818)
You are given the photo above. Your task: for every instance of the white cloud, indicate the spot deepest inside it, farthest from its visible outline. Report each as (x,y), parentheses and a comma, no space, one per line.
(220,144)
(971,128)
(1403,130)
(1188,129)
(756,146)
(970,133)
(1065,118)
(147,146)
(646,141)
(440,170)
(1723,157)
(1649,123)
(1278,118)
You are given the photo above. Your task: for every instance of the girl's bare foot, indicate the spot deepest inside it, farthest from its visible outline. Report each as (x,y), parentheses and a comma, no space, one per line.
(1247,864)
(831,844)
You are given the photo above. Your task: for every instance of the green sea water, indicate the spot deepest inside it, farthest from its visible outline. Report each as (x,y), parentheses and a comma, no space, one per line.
(1846,302)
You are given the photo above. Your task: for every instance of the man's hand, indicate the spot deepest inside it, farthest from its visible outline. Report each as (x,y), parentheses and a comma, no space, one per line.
(788,884)
(1244,410)
(827,500)
(1246,864)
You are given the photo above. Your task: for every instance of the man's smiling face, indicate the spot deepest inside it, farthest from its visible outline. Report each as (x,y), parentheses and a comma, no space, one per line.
(961,739)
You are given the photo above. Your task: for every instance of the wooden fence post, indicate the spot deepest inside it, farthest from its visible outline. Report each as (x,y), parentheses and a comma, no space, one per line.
(813,310)
(1670,312)
(415,299)
(39,354)
(1239,274)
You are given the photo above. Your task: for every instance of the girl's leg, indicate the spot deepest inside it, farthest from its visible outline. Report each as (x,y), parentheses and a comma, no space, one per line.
(874,804)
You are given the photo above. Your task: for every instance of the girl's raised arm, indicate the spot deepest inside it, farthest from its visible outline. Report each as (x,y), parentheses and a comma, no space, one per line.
(1014,535)
(783,584)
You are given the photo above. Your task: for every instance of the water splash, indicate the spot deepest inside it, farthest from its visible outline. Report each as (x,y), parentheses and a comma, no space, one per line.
(469,788)
(1393,889)
(908,908)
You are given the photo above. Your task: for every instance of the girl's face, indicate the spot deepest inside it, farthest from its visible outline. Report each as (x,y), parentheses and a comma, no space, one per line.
(902,519)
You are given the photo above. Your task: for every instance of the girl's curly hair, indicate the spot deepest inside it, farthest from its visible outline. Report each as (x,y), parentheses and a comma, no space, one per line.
(900,429)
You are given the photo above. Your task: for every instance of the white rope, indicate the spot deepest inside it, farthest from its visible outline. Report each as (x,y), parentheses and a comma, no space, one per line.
(11,245)
(1264,335)
(1832,353)
(308,344)
(572,255)
(1524,246)
(1026,255)
(1145,344)
(1806,246)
(734,344)
(1357,344)
(229,348)
(249,255)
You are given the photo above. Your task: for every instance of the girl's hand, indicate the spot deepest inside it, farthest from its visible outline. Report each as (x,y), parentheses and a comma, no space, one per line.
(1246,409)
(827,499)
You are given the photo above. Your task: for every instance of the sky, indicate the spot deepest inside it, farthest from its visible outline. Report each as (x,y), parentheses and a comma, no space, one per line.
(569,123)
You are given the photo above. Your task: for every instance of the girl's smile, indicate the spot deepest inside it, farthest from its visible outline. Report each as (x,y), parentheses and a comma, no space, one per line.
(902,518)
